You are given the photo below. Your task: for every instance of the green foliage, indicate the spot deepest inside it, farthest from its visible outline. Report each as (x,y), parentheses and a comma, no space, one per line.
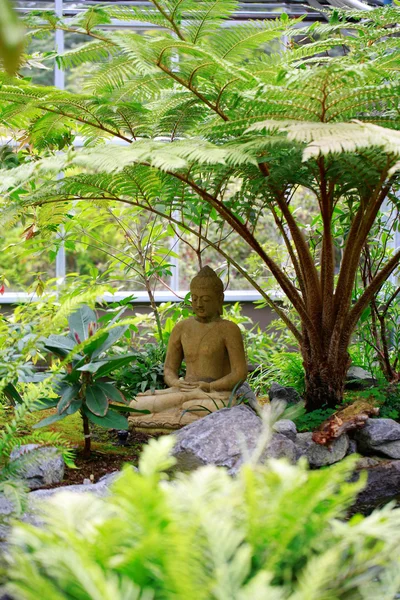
(312,420)
(273,531)
(247,127)
(387,397)
(11,37)
(82,387)
(285,368)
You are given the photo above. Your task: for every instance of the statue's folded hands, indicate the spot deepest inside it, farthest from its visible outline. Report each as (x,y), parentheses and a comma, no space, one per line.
(213,351)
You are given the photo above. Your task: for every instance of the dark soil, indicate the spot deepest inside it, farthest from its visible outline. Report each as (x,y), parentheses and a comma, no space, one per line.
(100,463)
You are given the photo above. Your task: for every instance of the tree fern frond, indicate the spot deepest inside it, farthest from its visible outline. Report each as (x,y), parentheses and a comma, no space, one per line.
(112,75)
(205,17)
(239,41)
(328,138)
(143,15)
(97,50)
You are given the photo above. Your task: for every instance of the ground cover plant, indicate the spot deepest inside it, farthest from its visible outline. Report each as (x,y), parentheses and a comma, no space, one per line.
(262,125)
(209,536)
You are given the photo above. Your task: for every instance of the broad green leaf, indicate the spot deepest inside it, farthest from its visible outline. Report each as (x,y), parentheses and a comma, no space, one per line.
(12,394)
(113,364)
(60,344)
(68,395)
(125,409)
(92,367)
(103,367)
(96,400)
(93,344)
(112,419)
(74,406)
(49,420)
(79,323)
(113,335)
(111,392)
(44,404)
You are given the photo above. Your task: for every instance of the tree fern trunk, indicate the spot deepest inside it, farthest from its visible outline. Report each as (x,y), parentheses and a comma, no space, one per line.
(324,382)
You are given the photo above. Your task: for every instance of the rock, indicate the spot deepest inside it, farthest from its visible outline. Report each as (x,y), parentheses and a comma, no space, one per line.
(245,392)
(279,392)
(217,439)
(352,449)
(38,465)
(281,446)
(286,428)
(320,456)
(99,489)
(222,437)
(383,484)
(377,432)
(358,379)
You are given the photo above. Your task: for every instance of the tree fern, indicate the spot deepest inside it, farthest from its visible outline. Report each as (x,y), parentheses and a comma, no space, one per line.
(208,87)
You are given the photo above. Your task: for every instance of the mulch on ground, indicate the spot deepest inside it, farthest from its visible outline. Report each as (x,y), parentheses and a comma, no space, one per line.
(103,462)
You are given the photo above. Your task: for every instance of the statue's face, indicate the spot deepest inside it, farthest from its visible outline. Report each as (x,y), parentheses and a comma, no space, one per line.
(206,303)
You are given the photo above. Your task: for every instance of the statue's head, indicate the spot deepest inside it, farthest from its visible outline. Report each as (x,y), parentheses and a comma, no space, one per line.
(207,291)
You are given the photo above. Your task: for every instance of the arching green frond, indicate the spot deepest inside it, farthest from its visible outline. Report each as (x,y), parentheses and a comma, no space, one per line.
(50,130)
(206,16)
(91,18)
(238,42)
(137,13)
(97,50)
(112,75)
(331,138)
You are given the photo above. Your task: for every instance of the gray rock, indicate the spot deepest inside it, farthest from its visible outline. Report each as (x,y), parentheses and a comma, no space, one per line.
(320,456)
(38,465)
(281,446)
(358,378)
(390,449)
(245,392)
(224,438)
(218,439)
(383,484)
(377,432)
(100,488)
(352,449)
(287,428)
(280,392)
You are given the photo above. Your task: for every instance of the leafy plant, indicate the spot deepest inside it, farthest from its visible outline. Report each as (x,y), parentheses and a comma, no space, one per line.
(285,368)
(312,420)
(247,130)
(82,387)
(387,397)
(273,531)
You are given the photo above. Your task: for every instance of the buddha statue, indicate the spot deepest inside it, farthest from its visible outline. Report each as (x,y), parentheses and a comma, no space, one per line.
(212,349)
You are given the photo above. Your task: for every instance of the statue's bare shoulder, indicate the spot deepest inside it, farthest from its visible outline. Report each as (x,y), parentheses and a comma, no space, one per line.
(230,328)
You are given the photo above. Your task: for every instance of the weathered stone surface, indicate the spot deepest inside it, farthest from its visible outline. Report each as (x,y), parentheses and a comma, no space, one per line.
(38,465)
(281,446)
(358,378)
(352,449)
(320,456)
(280,392)
(217,439)
(220,438)
(390,449)
(383,483)
(377,432)
(286,428)
(245,392)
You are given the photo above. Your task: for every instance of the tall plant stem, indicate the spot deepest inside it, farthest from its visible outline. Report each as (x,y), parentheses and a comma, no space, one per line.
(86,433)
